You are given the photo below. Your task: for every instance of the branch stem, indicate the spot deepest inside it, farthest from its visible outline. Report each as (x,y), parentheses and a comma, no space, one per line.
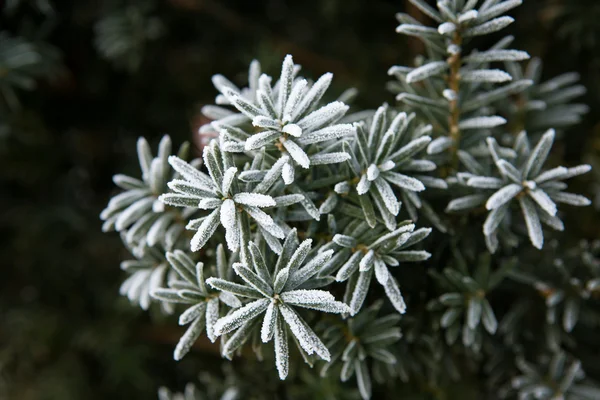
(455,62)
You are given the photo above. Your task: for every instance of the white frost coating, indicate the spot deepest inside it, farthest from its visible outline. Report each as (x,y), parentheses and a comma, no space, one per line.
(293,130)
(363,378)
(192,313)
(381,272)
(508,170)
(404,181)
(372,172)
(265,122)
(281,350)
(297,327)
(260,139)
(497,55)
(315,94)
(485,182)
(363,185)
(310,269)
(281,280)
(196,178)
(489,27)
(387,165)
(426,71)
(230,299)
(269,323)
(344,240)
(394,295)
(254,200)
(325,115)
(578,170)
(493,220)
(260,216)
(209,204)
(315,299)
(206,230)
(544,201)
(572,199)
(342,187)
(532,220)
(328,133)
(498,9)
(266,104)
(271,176)
(221,83)
(233,288)
(133,212)
(417,30)
(503,196)
(228,177)
(329,158)
(468,16)
(295,97)
(306,338)
(360,291)
(482,122)
(438,145)
(240,316)
(232,236)
(538,155)
(297,153)
(158,228)
(285,82)
(449,94)
(265,221)
(212,315)
(187,340)
(349,267)
(253,280)
(388,196)
(243,105)
(187,188)
(228,214)
(466,202)
(299,255)
(287,173)
(485,75)
(446,28)
(288,199)
(367,261)
(427,9)
(551,174)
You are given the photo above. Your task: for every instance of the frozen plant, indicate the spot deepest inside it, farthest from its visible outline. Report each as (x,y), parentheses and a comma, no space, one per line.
(299,213)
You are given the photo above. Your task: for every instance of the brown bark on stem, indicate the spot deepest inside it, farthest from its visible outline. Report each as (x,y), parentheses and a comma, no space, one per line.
(455,62)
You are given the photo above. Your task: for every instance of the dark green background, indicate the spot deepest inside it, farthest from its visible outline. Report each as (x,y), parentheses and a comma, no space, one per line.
(64,331)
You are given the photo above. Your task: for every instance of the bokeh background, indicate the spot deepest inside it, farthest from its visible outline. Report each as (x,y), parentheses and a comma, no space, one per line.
(81,80)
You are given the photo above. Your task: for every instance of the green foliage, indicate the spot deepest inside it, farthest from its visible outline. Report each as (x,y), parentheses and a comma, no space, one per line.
(300,160)
(273,235)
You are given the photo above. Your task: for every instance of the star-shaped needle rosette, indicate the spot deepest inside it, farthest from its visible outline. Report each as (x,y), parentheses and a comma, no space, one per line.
(219,192)
(277,292)
(362,344)
(203,302)
(291,120)
(137,211)
(362,251)
(386,157)
(536,191)
(221,115)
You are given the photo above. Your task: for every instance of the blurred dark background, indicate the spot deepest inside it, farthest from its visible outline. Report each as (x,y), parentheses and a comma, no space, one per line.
(111,71)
